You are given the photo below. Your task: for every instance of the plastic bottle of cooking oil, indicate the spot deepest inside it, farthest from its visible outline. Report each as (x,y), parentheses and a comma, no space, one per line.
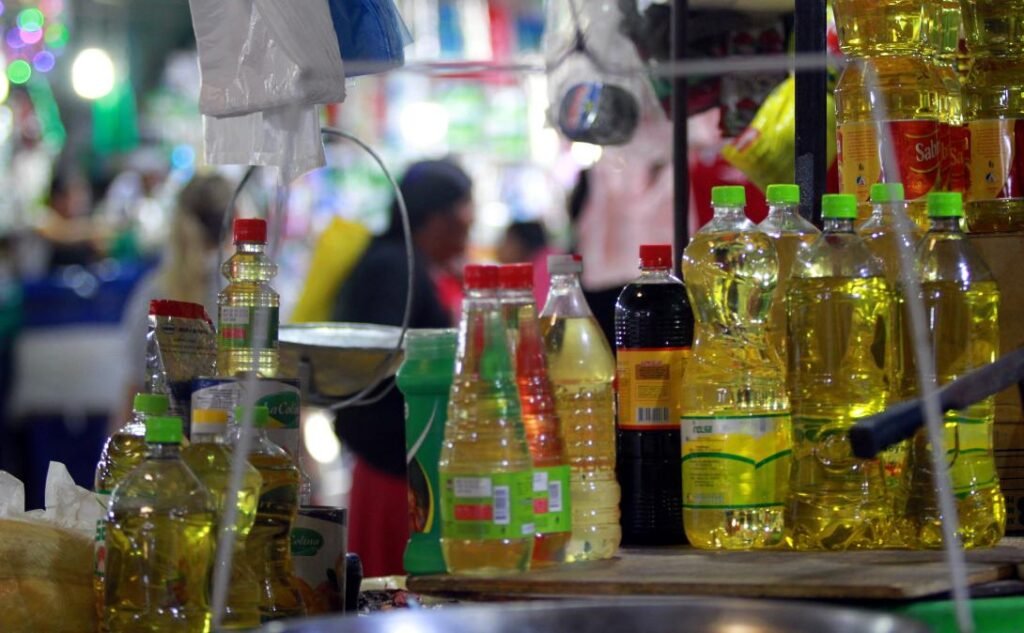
(485,469)
(210,459)
(582,371)
(994,28)
(268,548)
(961,302)
(868,28)
(840,349)
(159,542)
(940,49)
(792,234)
(248,307)
(552,514)
(735,423)
(126,448)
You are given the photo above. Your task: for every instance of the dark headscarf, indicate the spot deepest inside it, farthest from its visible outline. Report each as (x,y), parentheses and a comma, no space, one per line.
(430,187)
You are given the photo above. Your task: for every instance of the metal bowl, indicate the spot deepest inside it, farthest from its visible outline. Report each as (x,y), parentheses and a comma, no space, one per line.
(334,360)
(684,615)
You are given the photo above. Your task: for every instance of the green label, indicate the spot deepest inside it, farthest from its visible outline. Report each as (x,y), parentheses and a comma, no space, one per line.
(551,511)
(100,549)
(237,327)
(487,507)
(306,542)
(283,407)
(972,465)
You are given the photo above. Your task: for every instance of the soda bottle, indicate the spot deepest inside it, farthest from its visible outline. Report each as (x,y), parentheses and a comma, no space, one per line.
(159,542)
(735,425)
(993,28)
(248,307)
(126,448)
(792,234)
(840,349)
(485,469)
(552,515)
(210,459)
(425,379)
(653,335)
(582,371)
(268,548)
(868,28)
(962,303)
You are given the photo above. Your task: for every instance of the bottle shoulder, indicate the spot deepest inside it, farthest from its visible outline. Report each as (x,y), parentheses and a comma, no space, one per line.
(951,257)
(162,485)
(838,255)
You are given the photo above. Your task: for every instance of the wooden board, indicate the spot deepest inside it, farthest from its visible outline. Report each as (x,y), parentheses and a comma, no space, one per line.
(875,575)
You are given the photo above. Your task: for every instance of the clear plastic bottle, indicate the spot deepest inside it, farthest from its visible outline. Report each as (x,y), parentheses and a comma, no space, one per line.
(736,438)
(841,346)
(994,28)
(962,306)
(552,514)
(159,542)
(792,234)
(126,448)
(582,371)
(869,28)
(210,459)
(248,307)
(485,468)
(268,548)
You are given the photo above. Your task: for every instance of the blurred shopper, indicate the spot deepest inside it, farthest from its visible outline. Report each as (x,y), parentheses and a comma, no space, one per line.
(439,198)
(67,229)
(528,242)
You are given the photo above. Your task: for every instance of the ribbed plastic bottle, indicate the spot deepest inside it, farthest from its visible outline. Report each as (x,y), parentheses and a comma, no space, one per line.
(841,344)
(552,513)
(126,448)
(486,470)
(962,307)
(941,48)
(792,234)
(159,542)
(653,337)
(268,548)
(248,306)
(209,458)
(736,439)
(582,370)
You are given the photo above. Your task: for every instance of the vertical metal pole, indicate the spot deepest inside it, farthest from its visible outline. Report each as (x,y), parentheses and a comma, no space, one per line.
(811,122)
(680,140)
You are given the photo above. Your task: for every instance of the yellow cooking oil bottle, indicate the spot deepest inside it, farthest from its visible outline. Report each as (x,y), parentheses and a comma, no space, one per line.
(209,457)
(160,542)
(486,472)
(247,308)
(791,234)
(126,448)
(962,306)
(581,367)
(736,439)
(841,343)
(941,48)
(268,548)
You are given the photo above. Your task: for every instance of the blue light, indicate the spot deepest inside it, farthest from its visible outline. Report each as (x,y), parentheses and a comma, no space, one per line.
(183,157)
(44,61)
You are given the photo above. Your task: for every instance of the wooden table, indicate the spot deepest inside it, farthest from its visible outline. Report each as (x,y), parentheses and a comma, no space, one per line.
(887,575)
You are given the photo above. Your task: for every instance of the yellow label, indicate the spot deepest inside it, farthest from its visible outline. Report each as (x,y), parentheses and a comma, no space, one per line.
(650,384)
(996,161)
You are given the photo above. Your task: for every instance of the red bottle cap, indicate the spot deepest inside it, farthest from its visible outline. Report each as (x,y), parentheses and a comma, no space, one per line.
(515,277)
(480,277)
(254,230)
(656,256)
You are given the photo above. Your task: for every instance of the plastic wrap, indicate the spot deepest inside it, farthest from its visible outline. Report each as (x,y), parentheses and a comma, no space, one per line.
(181,345)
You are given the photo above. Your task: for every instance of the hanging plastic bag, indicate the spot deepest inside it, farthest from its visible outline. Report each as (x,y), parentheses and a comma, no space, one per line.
(371,35)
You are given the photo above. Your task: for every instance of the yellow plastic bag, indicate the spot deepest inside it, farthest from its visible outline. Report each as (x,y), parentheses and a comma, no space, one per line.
(337,252)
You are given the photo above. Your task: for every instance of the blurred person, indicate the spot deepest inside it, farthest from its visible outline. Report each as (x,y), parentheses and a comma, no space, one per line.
(527,242)
(67,230)
(438,194)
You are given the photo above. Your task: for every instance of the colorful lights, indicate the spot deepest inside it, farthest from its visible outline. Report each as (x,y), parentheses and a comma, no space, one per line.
(56,35)
(19,71)
(92,74)
(32,37)
(31,20)
(43,61)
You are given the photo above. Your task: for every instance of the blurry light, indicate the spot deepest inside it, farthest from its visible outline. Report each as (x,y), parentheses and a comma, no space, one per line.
(585,154)
(92,74)
(31,37)
(5,89)
(319,438)
(6,121)
(183,157)
(13,38)
(57,35)
(43,61)
(1,8)
(19,71)
(423,125)
(30,19)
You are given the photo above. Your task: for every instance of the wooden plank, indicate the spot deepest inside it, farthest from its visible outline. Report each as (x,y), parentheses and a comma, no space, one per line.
(875,575)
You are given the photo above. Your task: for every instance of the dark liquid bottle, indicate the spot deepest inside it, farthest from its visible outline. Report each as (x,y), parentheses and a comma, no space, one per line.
(653,334)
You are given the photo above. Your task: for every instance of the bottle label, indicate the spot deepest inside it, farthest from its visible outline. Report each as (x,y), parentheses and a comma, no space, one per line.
(99,569)
(238,328)
(487,507)
(916,145)
(551,512)
(955,142)
(735,462)
(996,162)
(969,454)
(650,383)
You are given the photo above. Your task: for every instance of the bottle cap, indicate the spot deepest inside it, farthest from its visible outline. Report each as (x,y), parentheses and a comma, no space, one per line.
(839,206)
(515,277)
(480,277)
(151,403)
(656,256)
(782,194)
(945,204)
(728,196)
(252,230)
(163,430)
(260,415)
(887,192)
(565,264)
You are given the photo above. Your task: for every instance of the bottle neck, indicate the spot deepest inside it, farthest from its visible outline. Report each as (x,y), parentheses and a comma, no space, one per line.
(250,247)
(565,298)
(208,438)
(838,225)
(732,213)
(780,211)
(659,273)
(944,225)
(163,451)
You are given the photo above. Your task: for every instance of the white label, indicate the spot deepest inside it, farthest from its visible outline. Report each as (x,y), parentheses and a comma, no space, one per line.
(234,315)
(475,487)
(756,427)
(555,496)
(502,511)
(540,481)
(528,529)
